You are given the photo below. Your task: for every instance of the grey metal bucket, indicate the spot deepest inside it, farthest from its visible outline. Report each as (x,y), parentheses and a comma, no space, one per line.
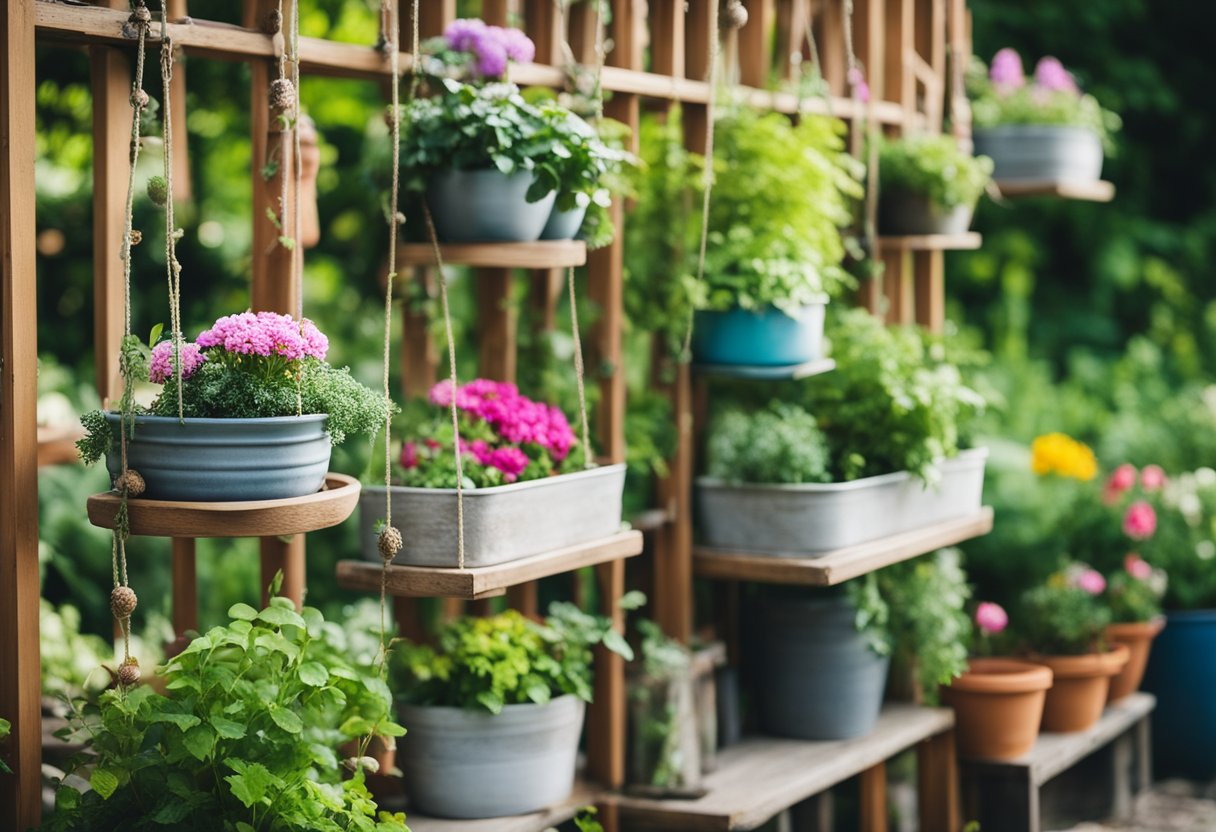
(1045,152)
(503,523)
(225,460)
(900,212)
(816,678)
(486,206)
(812,518)
(460,763)
(564,225)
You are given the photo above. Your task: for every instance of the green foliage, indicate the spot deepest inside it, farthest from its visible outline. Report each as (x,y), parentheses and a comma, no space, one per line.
(1184,545)
(97,438)
(781,443)
(71,660)
(934,167)
(1134,599)
(873,615)
(1059,618)
(655,707)
(6,728)
(506,659)
(243,740)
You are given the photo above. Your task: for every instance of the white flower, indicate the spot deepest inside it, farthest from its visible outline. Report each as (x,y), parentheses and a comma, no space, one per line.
(1205,476)
(1191,508)
(1205,549)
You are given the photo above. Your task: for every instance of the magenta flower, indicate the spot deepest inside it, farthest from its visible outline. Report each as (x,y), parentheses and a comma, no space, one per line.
(857,80)
(1090,581)
(1137,567)
(1051,75)
(161,369)
(1122,478)
(1140,521)
(409,455)
(491,47)
(1006,71)
(991,618)
(519,46)
(265,334)
(464,34)
(1152,477)
(491,58)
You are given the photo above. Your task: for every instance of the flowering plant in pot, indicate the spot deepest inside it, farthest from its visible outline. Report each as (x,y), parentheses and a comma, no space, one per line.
(1134,595)
(1045,129)
(495,709)
(929,185)
(529,485)
(261,410)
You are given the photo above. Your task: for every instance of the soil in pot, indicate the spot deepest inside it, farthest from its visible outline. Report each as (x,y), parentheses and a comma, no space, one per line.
(998,705)
(767,337)
(1138,637)
(1078,692)
(486,206)
(900,212)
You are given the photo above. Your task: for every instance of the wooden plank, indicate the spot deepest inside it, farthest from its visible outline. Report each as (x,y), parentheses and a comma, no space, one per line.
(184,586)
(755,43)
(449,582)
(839,565)
(898,285)
(968,241)
(763,776)
(667,37)
(673,603)
(829,34)
(606,714)
(937,784)
(545,24)
(545,254)
(182,186)
(584,794)
(496,322)
(929,275)
(869,29)
(873,799)
(899,84)
(1095,191)
(20,792)
(419,355)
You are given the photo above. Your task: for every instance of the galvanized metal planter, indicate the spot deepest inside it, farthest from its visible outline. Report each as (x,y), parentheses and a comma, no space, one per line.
(225,460)
(486,206)
(810,519)
(900,213)
(501,524)
(766,337)
(460,763)
(1043,152)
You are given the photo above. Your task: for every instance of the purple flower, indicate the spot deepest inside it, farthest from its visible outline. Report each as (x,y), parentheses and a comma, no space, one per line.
(1051,75)
(519,46)
(1006,70)
(491,58)
(162,369)
(462,34)
(857,80)
(491,47)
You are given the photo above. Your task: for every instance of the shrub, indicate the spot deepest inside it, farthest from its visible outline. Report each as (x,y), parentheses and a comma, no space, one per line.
(779,444)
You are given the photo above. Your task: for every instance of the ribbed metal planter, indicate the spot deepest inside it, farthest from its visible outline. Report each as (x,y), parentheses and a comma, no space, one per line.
(902,213)
(486,206)
(501,524)
(225,460)
(1045,152)
(807,519)
(460,763)
(564,225)
(768,337)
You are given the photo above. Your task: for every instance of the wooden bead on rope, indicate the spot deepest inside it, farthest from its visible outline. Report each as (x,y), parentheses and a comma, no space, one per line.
(123,602)
(282,95)
(130,481)
(389,543)
(158,190)
(733,15)
(128,672)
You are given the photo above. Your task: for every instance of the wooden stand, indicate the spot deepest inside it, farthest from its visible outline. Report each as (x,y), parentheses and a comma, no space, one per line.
(1096,191)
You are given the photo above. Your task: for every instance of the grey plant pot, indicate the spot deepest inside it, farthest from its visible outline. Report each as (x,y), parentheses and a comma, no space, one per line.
(486,206)
(225,460)
(809,519)
(564,225)
(460,763)
(503,523)
(1049,152)
(817,679)
(903,213)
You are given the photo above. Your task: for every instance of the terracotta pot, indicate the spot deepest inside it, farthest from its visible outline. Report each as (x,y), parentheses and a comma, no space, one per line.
(1138,637)
(998,704)
(1078,696)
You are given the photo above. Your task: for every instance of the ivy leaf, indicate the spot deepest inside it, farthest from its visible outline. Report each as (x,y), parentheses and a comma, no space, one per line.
(287,720)
(242,612)
(491,700)
(616,642)
(104,782)
(154,336)
(313,674)
(199,741)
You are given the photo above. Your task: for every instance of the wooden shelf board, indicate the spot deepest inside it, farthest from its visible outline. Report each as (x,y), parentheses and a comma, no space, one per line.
(839,565)
(762,776)
(1054,753)
(584,794)
(764,373)
(967,241)
(543,254)
(260,518)
(57,444)
(486,581)
(1092,191)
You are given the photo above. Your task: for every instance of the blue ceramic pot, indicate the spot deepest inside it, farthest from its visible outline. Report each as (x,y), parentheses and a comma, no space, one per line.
(486,206)
(225,460)
(764,338)
(564,225)
(1182,675)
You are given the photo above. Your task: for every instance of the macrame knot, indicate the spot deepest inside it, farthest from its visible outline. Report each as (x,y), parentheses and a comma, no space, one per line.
(282,95)
(128,672)
(136,237)
(123,602)
(139,99)
(158,190)
(141,14)
(389,543)
(733,16)
(131,481)
(274,22)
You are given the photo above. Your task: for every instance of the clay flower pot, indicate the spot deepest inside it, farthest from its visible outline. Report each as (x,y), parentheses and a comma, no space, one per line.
(1076,700)
(998,704)
(1138,637)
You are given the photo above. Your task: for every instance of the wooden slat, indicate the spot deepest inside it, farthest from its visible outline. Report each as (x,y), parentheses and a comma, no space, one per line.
(57,445)
(449,582)
(967,241)
(1096,191)
(496,323)
(21,792)
(673,604)
(419,356)
(606,714)
(929,274)
(899,84)
(898,284)
(667,37)
(584,794)
(185,586)
(873,799)
(556,254)
(182,185)
(762,776)
(829,33)
(938,800)
(544,24)
(755,43)
(840,565)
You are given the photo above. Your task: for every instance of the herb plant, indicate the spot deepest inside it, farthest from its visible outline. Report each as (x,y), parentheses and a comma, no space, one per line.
(1065,616)
(656,757)
(781,443)
(933,167)
(873,615)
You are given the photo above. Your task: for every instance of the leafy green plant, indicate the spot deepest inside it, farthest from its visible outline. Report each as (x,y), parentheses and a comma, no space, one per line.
(243,740)
(1133,598)
(933,166)
(873,614)
(71,660)
(1065,617)
(6,728)
(655,753)
(781,443)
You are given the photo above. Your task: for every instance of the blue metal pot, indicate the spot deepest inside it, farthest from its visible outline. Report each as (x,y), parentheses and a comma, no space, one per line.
(765,338)
(564,225)
(486,206)
(225,460)
(1182,675)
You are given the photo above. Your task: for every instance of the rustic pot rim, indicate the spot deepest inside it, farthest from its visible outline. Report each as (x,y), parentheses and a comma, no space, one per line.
(1002,675)
(1137,629)
(1089,665)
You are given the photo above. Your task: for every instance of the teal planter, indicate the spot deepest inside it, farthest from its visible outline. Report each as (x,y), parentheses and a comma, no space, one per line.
(1182,675)
(767,338)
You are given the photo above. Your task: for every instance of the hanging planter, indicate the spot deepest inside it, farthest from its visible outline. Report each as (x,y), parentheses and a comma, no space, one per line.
(929,186)
(998,705)
(476,206)
(765,337)
(564,224)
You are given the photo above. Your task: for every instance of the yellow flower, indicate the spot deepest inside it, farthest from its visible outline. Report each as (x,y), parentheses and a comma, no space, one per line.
(1056,453)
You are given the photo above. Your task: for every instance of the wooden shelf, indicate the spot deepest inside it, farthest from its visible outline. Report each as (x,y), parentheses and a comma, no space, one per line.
(544,254)
(57,444)
(584,794)
(486,581)
(840,565)
(259,518)
(765,373)
(1093,191)
(967,241)
(762,776)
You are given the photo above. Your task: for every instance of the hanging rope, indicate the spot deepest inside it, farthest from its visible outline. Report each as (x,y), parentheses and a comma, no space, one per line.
(816,64)
(173,268)
(298,166)
(588,461)
(856,78)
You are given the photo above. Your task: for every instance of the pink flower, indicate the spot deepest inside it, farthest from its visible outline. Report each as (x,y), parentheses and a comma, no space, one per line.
(409,455)
(519,46)
(1152,477)
(857,80)
(1091,581)
(1137,567)
(1051,75)
(265,334)
(1140,521)
(1006,71)
(162,368)
(1122,478)
(991,618)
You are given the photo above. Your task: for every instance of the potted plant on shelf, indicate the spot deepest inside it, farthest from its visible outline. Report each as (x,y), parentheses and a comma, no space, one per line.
(495,710)
(261,407)
(1134,596)
(664,742)
(1064,623)
(1042,130)
(997,702)
(928,185)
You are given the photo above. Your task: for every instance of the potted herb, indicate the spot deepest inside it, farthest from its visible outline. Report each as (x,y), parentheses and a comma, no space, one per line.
(929,185)
(261,409)
(243,739)
(495,710)
(1064,624)
(664,743)
(526,489)
(1134,595)
(1045,129)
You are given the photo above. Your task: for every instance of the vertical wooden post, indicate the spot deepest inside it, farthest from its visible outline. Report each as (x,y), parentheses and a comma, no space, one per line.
(755,44)
(182,187)
(830,38)
(185,588)
(930,276)
(899,80)
(496,322)
(20,792)
(873,799)
(545,27)
(937,783)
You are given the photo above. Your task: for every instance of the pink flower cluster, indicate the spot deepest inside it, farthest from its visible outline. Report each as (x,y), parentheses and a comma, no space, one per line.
(1124,478)
(991,618)
(511,461)
(857,81)
(1050,76)
(161,369)
(490,46)
(515,418)
(1140,521)
(1137,567)
(267,334)
(1088,580)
